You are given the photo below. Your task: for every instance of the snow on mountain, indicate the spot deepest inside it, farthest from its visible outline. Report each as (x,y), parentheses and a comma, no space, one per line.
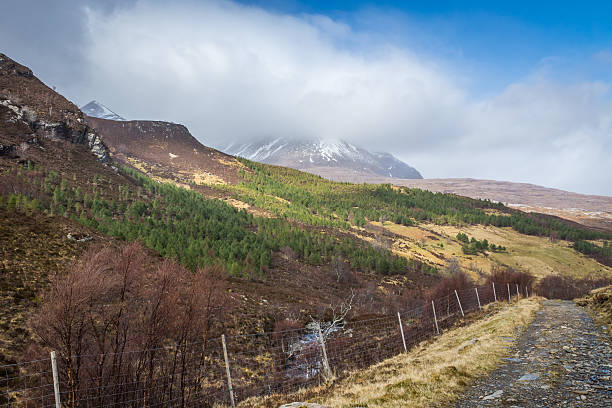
(98,110)
(319,154)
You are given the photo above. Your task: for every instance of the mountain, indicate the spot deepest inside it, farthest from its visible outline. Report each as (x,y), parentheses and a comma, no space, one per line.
(98,110)
(334,159)
(165,151)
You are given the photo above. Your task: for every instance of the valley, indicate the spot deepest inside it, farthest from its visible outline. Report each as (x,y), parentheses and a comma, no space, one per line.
(277,247)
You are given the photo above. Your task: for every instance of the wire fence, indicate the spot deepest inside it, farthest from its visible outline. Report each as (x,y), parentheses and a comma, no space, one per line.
(224,372)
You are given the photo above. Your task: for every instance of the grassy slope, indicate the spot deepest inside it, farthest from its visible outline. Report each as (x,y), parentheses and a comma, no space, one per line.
(537,255)
(431,242)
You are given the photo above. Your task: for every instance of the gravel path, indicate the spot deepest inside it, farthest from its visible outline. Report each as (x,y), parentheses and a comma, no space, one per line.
(562,360)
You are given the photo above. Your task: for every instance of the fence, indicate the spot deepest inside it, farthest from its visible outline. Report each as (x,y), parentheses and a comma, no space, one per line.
(224,371)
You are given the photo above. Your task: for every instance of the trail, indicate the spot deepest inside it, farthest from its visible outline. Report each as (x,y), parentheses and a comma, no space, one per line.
(562,360)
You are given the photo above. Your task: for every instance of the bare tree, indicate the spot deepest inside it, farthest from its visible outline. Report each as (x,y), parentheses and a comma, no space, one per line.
(338,314)
(342,271)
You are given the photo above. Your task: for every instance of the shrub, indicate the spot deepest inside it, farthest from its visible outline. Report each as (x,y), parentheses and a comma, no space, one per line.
(564,287)
(457,281)
(504,275)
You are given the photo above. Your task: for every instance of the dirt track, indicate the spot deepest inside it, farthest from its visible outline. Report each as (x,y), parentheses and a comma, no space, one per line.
(562,359)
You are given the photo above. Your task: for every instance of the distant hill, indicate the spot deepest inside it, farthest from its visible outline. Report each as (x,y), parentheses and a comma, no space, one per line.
(590,210)
(323,157)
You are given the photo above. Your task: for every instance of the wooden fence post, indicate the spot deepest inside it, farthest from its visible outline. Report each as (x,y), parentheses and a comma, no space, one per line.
(478,298)
(435,318)
(494,294)
(518,295)
(326,367)
(458,301)
(402,331)
(227,371)
(56,389)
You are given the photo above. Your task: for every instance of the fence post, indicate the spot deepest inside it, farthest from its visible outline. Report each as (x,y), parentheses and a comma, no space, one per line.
(227,371)
(458,301)
(494,293)
(509,296)
(402,331)
(435,318)
(326,367)
(518,296)
(478,298)
(56,389)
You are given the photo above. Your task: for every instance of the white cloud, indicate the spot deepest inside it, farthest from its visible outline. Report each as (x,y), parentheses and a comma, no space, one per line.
(232,72)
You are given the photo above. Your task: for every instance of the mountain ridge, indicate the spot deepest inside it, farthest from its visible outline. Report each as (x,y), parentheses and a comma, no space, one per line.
(320,154)
(167,151)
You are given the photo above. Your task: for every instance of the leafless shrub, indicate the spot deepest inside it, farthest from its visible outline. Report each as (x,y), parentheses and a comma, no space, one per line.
(457,281)
(337,314)
(452,267)
(565,287)
(504,275)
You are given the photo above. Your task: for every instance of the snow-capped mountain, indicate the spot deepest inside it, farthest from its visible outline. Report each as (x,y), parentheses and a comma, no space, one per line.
(319,156)
(98,110)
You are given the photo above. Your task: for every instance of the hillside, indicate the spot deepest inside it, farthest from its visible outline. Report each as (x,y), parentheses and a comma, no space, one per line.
(590,210)
(323,157)
(166,151)
(69,183)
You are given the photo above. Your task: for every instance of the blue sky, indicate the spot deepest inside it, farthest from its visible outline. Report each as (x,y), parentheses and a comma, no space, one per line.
(497,41)
(514,91)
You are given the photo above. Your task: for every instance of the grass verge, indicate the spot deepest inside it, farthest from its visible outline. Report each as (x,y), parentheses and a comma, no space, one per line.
(432,374)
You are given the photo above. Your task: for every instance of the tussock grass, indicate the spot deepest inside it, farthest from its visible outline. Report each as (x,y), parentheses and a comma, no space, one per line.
(436,373)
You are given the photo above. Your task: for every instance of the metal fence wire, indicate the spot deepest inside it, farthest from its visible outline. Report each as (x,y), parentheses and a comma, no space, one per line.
(223,372)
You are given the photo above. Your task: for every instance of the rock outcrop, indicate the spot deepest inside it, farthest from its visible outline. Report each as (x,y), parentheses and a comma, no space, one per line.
(25,100)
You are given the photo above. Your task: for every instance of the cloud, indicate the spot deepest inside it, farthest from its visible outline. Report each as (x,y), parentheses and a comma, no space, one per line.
(242,72)
(232,72)
(50,35)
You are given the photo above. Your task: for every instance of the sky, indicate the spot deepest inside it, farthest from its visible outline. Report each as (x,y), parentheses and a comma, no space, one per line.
(514,91)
